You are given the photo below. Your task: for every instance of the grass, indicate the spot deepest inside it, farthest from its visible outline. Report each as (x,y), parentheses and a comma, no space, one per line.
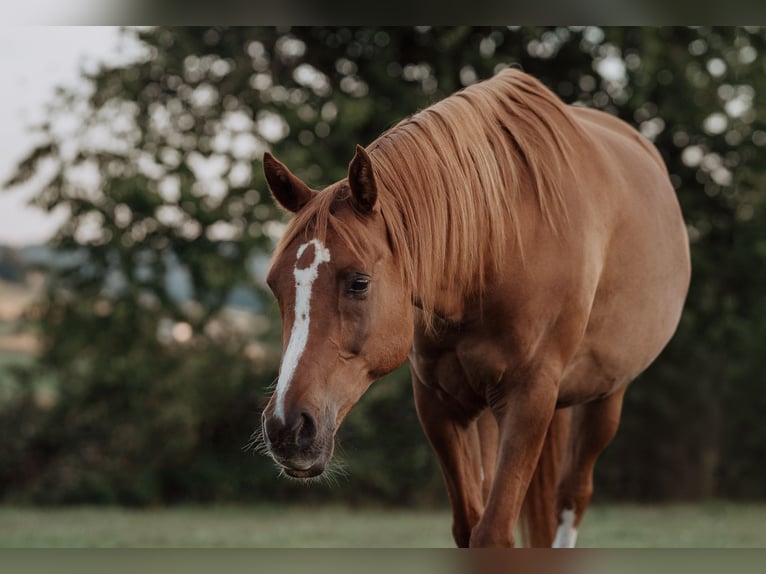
(711,525)
(220,527)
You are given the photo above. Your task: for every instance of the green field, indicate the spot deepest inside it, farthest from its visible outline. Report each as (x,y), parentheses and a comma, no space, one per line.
(712,525)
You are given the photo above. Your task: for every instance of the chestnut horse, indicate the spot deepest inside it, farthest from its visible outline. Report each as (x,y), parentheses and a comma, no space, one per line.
(529,257)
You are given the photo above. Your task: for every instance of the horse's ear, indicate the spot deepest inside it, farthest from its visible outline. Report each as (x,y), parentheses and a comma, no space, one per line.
(361,180)
(289,191)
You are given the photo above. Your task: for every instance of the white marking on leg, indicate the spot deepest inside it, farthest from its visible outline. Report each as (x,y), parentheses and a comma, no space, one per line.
(566,535)
(304,280)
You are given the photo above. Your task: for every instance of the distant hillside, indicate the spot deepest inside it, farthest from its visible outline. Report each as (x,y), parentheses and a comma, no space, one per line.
(15,262)
(11,265)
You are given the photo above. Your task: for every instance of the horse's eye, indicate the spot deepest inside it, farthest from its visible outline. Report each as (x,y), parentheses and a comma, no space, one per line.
(358,285)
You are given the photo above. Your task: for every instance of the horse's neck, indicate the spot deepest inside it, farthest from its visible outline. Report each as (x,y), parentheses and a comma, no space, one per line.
(448,308)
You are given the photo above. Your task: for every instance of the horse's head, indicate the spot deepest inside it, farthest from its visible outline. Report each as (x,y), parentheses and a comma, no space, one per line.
(346,314)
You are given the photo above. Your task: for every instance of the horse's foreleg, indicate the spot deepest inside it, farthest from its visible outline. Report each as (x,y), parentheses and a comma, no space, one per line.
(523,416)
(593,427)
(456,443)
(488,438)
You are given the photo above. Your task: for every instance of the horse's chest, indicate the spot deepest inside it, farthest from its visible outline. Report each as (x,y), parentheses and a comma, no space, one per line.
(461,370)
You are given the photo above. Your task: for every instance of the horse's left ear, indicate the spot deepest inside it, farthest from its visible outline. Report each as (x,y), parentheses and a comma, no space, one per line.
(361,180)
(289,191)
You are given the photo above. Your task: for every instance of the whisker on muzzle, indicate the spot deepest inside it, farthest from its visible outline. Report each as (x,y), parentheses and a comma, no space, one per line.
(257,442)
(272,386)
(335,472)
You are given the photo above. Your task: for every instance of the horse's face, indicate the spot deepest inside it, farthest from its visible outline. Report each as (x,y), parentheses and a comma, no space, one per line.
(346,320)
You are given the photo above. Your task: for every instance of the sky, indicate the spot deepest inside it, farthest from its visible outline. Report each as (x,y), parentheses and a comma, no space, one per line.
(35,60)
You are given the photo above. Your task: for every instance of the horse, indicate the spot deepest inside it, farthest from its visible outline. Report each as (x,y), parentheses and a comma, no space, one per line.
(528,257)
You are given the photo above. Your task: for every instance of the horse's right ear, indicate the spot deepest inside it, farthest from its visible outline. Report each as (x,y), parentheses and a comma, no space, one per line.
(289,191)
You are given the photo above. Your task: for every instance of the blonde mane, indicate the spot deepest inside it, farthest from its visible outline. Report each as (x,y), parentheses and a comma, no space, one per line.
(450,180)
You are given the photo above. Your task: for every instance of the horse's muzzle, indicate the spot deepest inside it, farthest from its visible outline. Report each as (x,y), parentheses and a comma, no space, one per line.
(297,444)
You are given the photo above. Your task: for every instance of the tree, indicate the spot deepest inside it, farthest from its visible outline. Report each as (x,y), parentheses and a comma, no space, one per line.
(170,222)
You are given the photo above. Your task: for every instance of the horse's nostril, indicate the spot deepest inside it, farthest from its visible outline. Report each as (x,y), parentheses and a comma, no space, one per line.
(305,430)
(296,432)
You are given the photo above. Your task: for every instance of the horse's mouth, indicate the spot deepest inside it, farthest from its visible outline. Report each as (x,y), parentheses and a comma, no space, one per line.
(299,468)
(311,472)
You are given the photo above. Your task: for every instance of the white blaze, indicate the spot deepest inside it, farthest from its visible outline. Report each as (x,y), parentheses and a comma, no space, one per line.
(566,535)
(304,280)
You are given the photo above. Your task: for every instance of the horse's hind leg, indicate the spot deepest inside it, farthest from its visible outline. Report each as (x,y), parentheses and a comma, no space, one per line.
(455,440)
(592,428)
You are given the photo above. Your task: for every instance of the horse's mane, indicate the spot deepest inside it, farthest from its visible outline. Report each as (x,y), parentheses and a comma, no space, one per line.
(450,180)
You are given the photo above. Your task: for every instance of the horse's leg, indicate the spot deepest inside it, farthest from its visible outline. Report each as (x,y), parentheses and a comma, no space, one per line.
(456,443)
(523,413)
(594,425)
(488,438)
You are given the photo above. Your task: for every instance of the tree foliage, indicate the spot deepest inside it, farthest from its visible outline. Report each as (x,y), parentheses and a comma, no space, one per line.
(158,382)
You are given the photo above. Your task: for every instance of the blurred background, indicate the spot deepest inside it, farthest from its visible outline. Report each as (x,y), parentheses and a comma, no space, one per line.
(138,340)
